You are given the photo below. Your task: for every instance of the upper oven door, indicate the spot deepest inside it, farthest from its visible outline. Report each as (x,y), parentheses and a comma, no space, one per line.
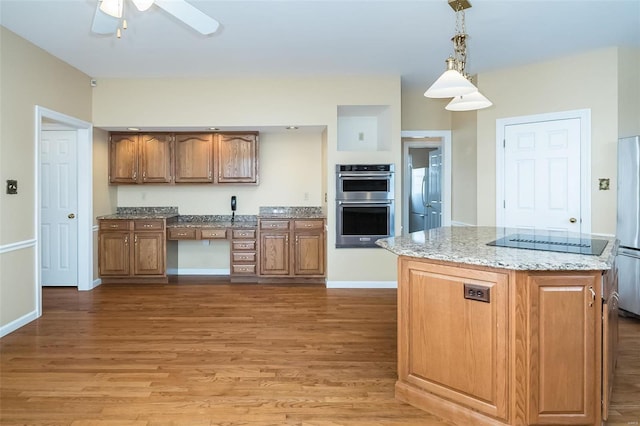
(364,186)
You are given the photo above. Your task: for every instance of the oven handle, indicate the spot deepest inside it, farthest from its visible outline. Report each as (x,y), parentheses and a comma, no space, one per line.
(364,174)
(370,202)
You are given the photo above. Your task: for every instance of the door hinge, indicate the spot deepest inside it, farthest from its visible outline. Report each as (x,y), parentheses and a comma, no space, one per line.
(504,204)
(504,143)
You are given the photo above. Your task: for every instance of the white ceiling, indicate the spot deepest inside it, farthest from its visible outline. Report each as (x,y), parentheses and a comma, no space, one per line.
(324,37)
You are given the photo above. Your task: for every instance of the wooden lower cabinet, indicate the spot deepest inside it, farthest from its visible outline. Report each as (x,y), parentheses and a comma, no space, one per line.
(132,250)
(292,248)
(531,353)
(243,254)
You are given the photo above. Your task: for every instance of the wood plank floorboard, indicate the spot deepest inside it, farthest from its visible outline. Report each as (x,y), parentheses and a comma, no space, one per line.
(201,353)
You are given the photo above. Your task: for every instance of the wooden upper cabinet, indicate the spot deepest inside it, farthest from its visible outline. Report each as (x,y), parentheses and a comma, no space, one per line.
(123,158)
(155,156)
(237,158)
(194,157)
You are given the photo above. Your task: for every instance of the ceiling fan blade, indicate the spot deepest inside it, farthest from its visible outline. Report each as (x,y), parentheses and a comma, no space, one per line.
(191,16)
(104,23)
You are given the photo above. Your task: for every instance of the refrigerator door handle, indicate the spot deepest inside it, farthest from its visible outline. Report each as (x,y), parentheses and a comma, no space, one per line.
(629,252)
(424,182)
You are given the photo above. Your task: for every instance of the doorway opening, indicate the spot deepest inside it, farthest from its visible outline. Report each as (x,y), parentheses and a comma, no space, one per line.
(426,180)
(48,120)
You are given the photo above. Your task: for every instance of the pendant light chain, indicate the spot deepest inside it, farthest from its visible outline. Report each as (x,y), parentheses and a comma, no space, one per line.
(460,43)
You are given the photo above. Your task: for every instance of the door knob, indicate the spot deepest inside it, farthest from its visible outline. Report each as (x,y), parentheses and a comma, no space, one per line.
(71,215)
(573,220)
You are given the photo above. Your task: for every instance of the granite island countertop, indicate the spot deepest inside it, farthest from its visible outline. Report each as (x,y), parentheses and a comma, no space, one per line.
(468,245)
(291,213)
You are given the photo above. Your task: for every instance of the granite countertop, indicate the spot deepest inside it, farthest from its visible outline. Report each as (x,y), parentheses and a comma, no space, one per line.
(291,213)
(133,213)
(468,245)
(213,221)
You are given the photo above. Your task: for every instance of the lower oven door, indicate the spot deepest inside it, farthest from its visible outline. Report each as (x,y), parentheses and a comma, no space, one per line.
(360,224)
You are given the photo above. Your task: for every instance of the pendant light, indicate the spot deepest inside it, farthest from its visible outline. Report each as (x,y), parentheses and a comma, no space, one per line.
(112,7)
(469,102)
(455,82)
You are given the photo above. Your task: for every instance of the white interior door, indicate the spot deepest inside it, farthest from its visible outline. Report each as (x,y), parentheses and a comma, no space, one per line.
(542,175)
(59,207)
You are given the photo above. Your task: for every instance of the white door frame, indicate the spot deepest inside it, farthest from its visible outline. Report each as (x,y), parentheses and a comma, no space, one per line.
(85,195)
(445,136)
(584,115)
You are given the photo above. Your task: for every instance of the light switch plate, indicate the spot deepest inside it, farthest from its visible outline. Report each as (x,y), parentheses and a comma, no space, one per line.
(12,186)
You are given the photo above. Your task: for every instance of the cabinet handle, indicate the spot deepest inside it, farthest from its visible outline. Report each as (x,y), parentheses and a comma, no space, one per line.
(135,239)
(593,296)
(147,225)
(126,240)
(182,234)
(113,226)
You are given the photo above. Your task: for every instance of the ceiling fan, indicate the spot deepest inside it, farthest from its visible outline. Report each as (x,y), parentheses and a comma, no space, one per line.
(108,18)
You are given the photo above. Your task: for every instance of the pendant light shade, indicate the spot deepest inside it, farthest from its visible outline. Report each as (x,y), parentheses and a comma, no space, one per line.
(470,102)
(112,7)
(450,84)
(142,5)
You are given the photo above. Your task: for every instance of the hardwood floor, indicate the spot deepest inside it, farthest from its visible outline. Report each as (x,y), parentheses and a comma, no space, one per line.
(219,354)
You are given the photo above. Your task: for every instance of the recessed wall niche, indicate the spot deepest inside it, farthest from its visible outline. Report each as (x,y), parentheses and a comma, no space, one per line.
(364,128)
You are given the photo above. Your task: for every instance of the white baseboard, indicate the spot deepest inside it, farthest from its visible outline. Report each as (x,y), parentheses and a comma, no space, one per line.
(16,324)
(187,271)
(362,284)
(456,223)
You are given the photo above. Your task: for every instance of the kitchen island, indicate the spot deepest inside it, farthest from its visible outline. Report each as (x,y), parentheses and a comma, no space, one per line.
(492,335)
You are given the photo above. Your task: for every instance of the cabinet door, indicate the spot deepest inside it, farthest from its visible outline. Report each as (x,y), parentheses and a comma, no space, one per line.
(309,253)
(155,152)
(609,336)
(148,253)
(274,253)
(449,345)
(194,158)
(123,158)
(237,158)
(114,254)
(564,310)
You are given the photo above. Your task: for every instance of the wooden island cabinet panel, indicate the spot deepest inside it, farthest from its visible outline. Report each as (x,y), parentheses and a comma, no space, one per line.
(564,332)
(539,350)
(462,357)
(194,158)
(237,157)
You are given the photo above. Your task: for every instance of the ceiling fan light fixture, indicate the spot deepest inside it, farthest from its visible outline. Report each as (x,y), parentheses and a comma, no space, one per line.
(143,5)
(112,7)
(471,102)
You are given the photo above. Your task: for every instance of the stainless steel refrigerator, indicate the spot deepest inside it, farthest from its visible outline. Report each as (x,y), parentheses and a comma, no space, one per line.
(628,224)
(425,181)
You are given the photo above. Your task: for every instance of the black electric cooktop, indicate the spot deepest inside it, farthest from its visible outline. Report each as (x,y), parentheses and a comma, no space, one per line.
(589,246)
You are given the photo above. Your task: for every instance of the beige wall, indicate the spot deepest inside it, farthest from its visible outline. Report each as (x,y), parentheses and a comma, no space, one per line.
(629,92)
(420,113)
(586,81)
(464,150)
(28,77)
(264,102)
(104,196)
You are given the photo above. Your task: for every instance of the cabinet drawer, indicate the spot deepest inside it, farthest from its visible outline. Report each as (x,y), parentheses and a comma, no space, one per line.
(274,224)
(148,225)
(243,245)
(207,234)
(244,233)
(243,269)
(308,224)
(243,256)
(115,225)
(182,234)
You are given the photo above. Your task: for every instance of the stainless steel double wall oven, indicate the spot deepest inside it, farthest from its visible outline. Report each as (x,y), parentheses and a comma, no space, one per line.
(364,204)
